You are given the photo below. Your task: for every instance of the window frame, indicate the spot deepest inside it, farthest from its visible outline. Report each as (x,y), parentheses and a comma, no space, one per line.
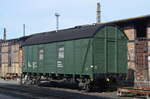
(60,52)
(41,53)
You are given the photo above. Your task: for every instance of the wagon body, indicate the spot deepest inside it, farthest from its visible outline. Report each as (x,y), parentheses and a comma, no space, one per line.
(103,52)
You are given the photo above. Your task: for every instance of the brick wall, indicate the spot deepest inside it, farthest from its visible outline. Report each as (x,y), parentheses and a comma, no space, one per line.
(130,32)
(15,65)
(148,36)
(4,57)
(4,47)
(15,53)
(131,55)
(131,60)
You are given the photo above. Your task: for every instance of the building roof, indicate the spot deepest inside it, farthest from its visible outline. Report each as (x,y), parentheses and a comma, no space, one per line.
(14,41)
(74,33)
(129,20)
(77,32)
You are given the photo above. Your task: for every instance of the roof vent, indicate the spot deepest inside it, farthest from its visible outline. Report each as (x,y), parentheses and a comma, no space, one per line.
(77,27)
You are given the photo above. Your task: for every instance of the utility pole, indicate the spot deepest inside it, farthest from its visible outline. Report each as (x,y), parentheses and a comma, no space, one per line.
(4,35)
(98,13)
(57,21)
(24,29)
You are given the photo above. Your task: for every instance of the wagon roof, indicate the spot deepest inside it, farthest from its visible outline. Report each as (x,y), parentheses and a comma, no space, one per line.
(77,32)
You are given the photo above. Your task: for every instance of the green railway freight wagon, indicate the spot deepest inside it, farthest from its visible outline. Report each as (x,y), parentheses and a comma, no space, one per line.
(89,55)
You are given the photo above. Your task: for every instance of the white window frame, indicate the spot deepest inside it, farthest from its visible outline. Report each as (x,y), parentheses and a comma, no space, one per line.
(41,54)
(61,53)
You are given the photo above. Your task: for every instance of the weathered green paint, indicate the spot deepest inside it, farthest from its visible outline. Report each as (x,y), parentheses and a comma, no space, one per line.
(75,52)
(110,51)
(106,51)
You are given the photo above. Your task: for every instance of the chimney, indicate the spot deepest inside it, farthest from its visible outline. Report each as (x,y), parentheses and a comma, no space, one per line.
(4,38)
(98,16)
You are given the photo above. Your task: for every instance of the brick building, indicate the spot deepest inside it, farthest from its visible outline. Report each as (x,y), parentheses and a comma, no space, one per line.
(138,32)
(11,57)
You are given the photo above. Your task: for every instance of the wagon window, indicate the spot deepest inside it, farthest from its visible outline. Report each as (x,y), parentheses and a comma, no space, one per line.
(41,54)
(61,52)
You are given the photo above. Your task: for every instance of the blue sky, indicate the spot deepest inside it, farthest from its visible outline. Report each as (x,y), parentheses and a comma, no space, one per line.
(38,15)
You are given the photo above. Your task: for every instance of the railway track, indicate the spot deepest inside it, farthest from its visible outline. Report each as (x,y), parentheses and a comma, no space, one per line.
(26,92)
(34,92)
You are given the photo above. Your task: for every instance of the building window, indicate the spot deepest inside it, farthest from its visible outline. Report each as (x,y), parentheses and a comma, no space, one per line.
(141,31)
(61,52)
(41,54)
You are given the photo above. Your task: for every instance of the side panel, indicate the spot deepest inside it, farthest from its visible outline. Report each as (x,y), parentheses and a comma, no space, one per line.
(122,55)
(34,58)
(50,58)
(110,51)
(99,55)
(70,66)
(87,57)
(60,61)
(83,56)
(111,57)
(77,58)
(30,59)
(41,66)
